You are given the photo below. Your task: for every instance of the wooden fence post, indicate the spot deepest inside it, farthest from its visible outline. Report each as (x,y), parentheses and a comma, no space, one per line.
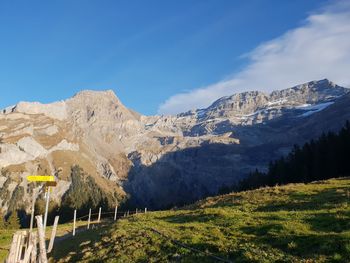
(115,212)
(41,234)
(53,234)
(19,247)
(13,250)
(88,226)
(28,253)
(145,210)
(136,211)
(33,240)
(75,218)
(99,215)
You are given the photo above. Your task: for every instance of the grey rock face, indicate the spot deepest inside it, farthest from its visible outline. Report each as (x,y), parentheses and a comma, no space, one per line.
(237,104)
(311,92)
(265,127)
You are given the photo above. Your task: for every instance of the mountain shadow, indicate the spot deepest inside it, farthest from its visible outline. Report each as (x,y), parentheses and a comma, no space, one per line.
(184,176)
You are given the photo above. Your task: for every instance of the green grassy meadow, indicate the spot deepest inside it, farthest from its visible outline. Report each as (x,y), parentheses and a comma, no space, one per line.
(292,223)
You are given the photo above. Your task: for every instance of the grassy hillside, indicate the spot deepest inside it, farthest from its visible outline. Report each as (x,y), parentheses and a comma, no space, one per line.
(293,223)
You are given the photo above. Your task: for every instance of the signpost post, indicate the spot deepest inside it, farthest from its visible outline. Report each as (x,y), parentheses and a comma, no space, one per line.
(46,206)
(88,226)
(115,212)
(33,207)
(49,181)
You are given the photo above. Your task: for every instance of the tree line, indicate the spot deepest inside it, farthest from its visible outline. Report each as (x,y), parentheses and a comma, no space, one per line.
(320,159)
(83,194)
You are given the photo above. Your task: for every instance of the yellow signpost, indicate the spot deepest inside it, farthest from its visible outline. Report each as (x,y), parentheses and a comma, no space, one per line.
(41,178)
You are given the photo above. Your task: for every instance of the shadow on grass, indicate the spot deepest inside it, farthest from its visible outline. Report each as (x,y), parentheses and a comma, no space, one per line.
(310,246)
(303,246)
(225,201)
(273,217)
(302,201)
(179,254)
(330,222)
(262,230)
(192,218)
(74,246)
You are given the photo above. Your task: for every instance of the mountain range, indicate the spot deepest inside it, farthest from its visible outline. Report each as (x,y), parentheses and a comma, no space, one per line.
(159,161)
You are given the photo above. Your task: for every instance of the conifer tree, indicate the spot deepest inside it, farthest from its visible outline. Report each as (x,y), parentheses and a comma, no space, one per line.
(2,221)
(13,221)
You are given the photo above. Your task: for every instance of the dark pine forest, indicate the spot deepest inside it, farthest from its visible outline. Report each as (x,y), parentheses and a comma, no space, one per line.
(324,158)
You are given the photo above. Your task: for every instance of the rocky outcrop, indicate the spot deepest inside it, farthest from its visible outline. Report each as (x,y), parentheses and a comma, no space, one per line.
(56,110)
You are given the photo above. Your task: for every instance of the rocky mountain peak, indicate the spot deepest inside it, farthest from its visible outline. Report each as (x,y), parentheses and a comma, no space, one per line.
(248,103)
(84,104)
(93,99)
(99,109)
(96,94)
(310,92)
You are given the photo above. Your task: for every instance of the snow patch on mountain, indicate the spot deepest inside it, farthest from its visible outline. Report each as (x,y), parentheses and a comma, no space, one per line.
(277,102)
(311,109)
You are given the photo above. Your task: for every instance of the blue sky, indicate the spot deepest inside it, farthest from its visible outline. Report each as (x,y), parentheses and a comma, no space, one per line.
(146,51)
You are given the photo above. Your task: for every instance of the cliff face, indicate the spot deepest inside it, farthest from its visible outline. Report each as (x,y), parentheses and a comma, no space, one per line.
(160,160)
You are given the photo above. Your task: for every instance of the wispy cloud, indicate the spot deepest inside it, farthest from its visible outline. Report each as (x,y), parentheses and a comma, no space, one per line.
(318,49)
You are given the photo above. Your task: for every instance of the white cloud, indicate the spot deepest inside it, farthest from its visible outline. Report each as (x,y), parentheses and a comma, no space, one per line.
(318,49)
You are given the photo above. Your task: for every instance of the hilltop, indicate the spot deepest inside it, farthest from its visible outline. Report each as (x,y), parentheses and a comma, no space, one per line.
(292,223)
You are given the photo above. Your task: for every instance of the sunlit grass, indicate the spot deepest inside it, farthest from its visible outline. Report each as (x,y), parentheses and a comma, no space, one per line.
(293,223)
